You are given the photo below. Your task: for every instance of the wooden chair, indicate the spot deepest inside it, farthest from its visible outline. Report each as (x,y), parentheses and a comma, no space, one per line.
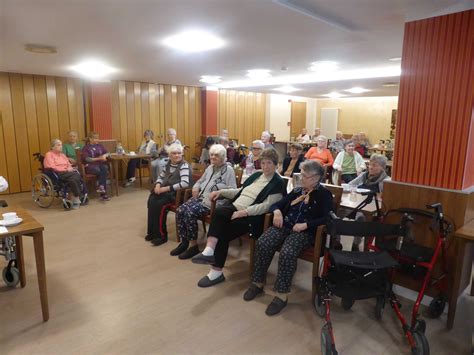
(239,172)
(313,253)
(141,166)
(197,170)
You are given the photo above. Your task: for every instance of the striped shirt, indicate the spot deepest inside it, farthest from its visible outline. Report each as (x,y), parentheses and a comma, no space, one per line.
(184,174)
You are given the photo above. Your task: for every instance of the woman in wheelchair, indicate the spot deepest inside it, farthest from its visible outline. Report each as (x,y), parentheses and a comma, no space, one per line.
(60,164)
(295,220)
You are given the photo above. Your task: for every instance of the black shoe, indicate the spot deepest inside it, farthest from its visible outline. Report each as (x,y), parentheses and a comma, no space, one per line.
(203,259)
(252,292)
(180,248)
(207,282)
(148,237)
(275,307)
(189,253)
(158,241)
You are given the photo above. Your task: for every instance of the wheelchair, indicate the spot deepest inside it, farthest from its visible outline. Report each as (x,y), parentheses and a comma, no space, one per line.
(47,187)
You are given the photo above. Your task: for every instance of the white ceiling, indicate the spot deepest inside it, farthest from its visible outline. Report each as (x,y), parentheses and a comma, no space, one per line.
(259,34)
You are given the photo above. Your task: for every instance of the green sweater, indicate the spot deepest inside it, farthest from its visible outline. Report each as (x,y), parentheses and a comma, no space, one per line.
(70,151)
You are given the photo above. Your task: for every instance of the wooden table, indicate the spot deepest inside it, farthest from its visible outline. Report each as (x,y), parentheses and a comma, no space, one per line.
(30,228)
(115,159)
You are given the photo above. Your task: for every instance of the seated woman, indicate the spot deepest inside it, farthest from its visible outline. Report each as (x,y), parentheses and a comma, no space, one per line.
(295,220)
(303,137)
(219,175)
(358,147)
(147,146)
(320,153)
(229,150)
(349,162)
(173,177)
(242,212)
(252,162)
(291,164)
(69,148)
(161,155)
(95,156)
(205,157)
(60,164)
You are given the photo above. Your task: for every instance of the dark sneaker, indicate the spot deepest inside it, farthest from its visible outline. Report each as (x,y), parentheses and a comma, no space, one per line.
(158,241)
(207,282)
(104,197)
(252,292)
(275,307)
(180,248)
(189,253)
(148,237)
(203,259)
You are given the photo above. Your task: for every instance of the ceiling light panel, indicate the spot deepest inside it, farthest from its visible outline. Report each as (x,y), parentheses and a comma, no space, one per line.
(357,90)
(334,95)
(286,89)
(324,66)
(258,73)
(210,79)
(93,69)
(194,41)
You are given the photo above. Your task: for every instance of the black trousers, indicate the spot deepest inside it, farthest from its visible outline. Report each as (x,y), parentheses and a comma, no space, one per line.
(158,206)
(132,165)
(100,171)
(73,180)
(225,230)
(346,178)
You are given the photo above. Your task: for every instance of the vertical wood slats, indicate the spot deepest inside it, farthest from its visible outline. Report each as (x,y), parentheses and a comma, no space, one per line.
(436,102)
(139,106)
(242,114)
(34,109)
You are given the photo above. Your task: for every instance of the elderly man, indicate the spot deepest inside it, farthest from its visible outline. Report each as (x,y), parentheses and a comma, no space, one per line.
(69,148)
(266,139)
(337,144)
(230,151)
(161,155)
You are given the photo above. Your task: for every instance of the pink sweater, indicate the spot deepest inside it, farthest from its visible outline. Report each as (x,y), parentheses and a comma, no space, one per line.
(56,161)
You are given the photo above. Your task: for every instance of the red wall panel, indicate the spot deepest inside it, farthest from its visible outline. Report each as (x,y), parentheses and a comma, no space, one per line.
(436,103)
(101,109)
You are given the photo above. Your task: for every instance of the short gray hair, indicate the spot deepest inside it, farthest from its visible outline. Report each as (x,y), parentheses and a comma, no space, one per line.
(171,131)
(218,149)
(379,159)
(347,142)
(175,147)
(223,140)
(149,133)
(266,133)
(322,138)
(259,143)
(312,167)
(55,141)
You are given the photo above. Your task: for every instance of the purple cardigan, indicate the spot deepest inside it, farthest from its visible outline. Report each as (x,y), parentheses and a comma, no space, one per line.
(93,151)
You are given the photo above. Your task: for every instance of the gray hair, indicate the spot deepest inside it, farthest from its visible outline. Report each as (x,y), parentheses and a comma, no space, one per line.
(266,134)
(175,147)
(347,142)
(72,131)
(149,133)
(258,142)
(218,149)
(171,131)
(379,159)
(223,140)
(55,141)
(322,138)
(312,167)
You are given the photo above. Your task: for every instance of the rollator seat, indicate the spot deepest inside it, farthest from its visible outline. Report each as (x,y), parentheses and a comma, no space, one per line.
(416,252)
(363,260)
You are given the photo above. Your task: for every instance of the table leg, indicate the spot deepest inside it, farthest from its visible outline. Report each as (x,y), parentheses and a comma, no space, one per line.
(453,297)
(116,173)
(41,271)
(20,260)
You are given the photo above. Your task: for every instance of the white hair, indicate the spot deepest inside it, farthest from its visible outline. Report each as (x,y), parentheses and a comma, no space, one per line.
(259,143)
(171,131)
(175,147)
(218,149)
(55,141)
(266,134)
(322,138)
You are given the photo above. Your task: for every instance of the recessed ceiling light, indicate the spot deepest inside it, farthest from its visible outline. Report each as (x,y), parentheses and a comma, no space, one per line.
(324,66)
(395,59)
(194,41)
(356,90)
(334,95)
(258,73)
(93,69)
(389,85)
(210,79)
(286,89)
(41,49)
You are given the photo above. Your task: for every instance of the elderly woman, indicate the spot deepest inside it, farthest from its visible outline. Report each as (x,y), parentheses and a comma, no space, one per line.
(69,148)
(337,145)
(173,177)
(219,175)
(252,161)
(229,150)
(161,155)
(205,157)
(357,146)
(242,212)
(349,163)
(291,164)
(320,153)
(266,138)
(295,220)
(60,164)
(146,147)
(303,137)
(94,155)
(317,133)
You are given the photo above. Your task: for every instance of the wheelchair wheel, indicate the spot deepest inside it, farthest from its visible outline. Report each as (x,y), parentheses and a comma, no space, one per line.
(320,306)
(11,276)
(42,190)
(379,307)
(422,347)
(326,342)
(436,307)
(347,303)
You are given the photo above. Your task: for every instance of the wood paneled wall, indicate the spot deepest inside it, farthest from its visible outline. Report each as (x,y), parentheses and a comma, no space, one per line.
(242,113)
(436,102)
(138,106)
(100,108)
(35,109)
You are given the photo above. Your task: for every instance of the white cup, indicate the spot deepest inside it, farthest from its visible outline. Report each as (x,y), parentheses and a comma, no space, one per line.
(132,153)
(9,216)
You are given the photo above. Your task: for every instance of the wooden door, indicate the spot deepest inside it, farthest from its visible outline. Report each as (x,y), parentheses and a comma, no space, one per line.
(298,118)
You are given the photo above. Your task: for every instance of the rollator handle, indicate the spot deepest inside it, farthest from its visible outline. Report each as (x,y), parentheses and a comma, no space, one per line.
(438,207)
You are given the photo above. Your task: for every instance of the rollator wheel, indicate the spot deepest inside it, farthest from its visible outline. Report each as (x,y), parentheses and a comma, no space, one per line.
(11,276)
(420,326)
(347,303)
(320,306)
(436,307)
(421,347)
(379,307)
(326,342)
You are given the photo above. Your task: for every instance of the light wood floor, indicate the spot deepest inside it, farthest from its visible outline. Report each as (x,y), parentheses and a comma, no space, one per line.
(110,292)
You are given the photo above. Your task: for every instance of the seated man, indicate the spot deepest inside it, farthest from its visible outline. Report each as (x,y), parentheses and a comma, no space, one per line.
(161,156)
(148,145)
(229,150)
(242,212)
(69,148)
(295,220)
(174,176)
(95,156)
(60,164)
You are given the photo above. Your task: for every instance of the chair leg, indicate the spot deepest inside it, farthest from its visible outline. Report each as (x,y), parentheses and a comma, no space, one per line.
(204,227)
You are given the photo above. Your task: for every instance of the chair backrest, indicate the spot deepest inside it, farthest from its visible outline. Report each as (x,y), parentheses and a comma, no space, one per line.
(111,145)
(80,166)
(197,170)
(336,195)
(238,176)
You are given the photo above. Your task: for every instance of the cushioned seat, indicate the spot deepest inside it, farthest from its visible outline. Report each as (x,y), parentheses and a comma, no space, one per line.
(363,260)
